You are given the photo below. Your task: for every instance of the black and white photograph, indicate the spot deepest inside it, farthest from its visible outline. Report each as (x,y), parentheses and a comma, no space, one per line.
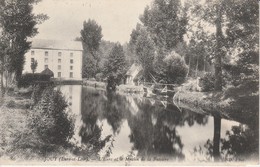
(129,82)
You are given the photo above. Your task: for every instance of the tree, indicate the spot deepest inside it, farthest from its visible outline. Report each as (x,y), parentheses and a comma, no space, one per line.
(240,19)
(198,52)
(115,66)
(17,23)
(166,21)
(91,36)
(34,65)
(175,68)
(144,48)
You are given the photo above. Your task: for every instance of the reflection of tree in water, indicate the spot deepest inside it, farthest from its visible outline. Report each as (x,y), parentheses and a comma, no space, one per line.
(153,130)
(90,132)
(115,108)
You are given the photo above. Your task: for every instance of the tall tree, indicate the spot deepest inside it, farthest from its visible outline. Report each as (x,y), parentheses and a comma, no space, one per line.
(166,20)
(144,48)
(240,19)
(17,23)
(115,66)
(91,36)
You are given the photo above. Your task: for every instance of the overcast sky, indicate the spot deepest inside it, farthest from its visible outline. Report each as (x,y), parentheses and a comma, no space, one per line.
(117,17)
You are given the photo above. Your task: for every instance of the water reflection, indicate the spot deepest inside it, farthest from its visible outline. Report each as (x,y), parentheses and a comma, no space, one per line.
(117,125)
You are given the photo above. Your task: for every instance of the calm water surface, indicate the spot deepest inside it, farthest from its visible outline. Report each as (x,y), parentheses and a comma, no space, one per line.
(131,125)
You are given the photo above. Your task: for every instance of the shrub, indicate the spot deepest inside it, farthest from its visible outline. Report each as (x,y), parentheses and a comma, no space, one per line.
(11,104)
(50,120)
(174,68)
(29,79)
(207,82)
(99,76)
(36,94)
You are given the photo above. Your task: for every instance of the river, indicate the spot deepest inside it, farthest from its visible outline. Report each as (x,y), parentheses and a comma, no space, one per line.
(124,125)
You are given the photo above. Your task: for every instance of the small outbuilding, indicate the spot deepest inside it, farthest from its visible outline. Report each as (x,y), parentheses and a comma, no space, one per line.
(133,73)
(47,71)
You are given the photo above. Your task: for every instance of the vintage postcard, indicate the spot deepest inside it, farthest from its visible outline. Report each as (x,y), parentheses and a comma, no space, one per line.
(129,82)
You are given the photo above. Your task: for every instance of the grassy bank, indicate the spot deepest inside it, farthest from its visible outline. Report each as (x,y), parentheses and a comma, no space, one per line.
(243,109)
(36,126)
(18,140)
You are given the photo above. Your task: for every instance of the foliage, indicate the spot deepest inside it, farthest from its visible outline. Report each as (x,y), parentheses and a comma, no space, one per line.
(37,93)
(50,120)
(11,104)
(173,68)
(243,37)
(207,82)
(17,23)
(91,35)
(144,48)
(199,52)
(162,30)
(116,65)
(89,68)
(99,76)
(241,142)
(30,79)
(240,21)
(166,21)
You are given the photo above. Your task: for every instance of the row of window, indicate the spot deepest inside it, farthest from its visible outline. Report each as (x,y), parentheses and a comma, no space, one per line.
(46,53)
(71,74)
(59,60)
(59,67)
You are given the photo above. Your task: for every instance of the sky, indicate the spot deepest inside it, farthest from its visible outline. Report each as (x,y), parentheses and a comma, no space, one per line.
(117,18)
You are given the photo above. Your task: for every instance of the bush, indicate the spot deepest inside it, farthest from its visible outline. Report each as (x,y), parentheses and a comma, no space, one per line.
(50,120)
(29,79)
(174,68)
(207,82)
(37,93)
(11,104)
(99,76)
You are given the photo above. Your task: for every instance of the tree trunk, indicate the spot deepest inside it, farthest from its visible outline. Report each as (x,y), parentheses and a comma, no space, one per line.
(2,84)
(188,67)
(219,52)
(204,65)
(216,138)
(197,64)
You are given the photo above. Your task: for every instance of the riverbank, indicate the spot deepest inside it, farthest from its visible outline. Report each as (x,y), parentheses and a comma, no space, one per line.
(94,84)
(217,104)
(32,132)
(18,141)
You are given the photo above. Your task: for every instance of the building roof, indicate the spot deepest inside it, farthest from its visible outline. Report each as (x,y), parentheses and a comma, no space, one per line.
(133,68)
(56,44)
(47,71)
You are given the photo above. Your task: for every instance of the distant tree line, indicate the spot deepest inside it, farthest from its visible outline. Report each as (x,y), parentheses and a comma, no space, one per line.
(176,40)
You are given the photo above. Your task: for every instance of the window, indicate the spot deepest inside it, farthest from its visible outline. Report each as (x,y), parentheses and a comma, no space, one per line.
(59,54)
(59,74)
(45,66)
(32,60)
(71,61)
(71,54)
(46,60)
(71,67)
(59,67)
(59,60)
(71,74)
(46,53)
(32,52)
